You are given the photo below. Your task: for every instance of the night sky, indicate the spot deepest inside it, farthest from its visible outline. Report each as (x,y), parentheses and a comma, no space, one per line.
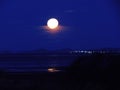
(89,24)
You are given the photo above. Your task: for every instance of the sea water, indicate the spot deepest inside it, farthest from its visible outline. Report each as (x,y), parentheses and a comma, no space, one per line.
(27,64)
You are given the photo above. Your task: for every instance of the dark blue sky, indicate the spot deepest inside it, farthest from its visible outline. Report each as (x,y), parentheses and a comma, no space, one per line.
(90,24)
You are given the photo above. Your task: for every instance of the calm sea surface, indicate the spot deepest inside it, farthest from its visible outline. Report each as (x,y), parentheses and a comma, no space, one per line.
(34,65)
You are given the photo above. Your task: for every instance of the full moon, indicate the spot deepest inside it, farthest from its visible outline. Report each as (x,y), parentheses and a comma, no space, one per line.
(52,23)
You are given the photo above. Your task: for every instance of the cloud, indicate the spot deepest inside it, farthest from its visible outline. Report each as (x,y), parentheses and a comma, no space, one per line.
(70,11)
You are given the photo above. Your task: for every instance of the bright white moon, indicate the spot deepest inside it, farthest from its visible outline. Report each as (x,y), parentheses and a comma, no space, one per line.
(52,23)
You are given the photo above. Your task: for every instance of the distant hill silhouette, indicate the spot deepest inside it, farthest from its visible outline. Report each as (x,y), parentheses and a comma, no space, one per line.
(65,50)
